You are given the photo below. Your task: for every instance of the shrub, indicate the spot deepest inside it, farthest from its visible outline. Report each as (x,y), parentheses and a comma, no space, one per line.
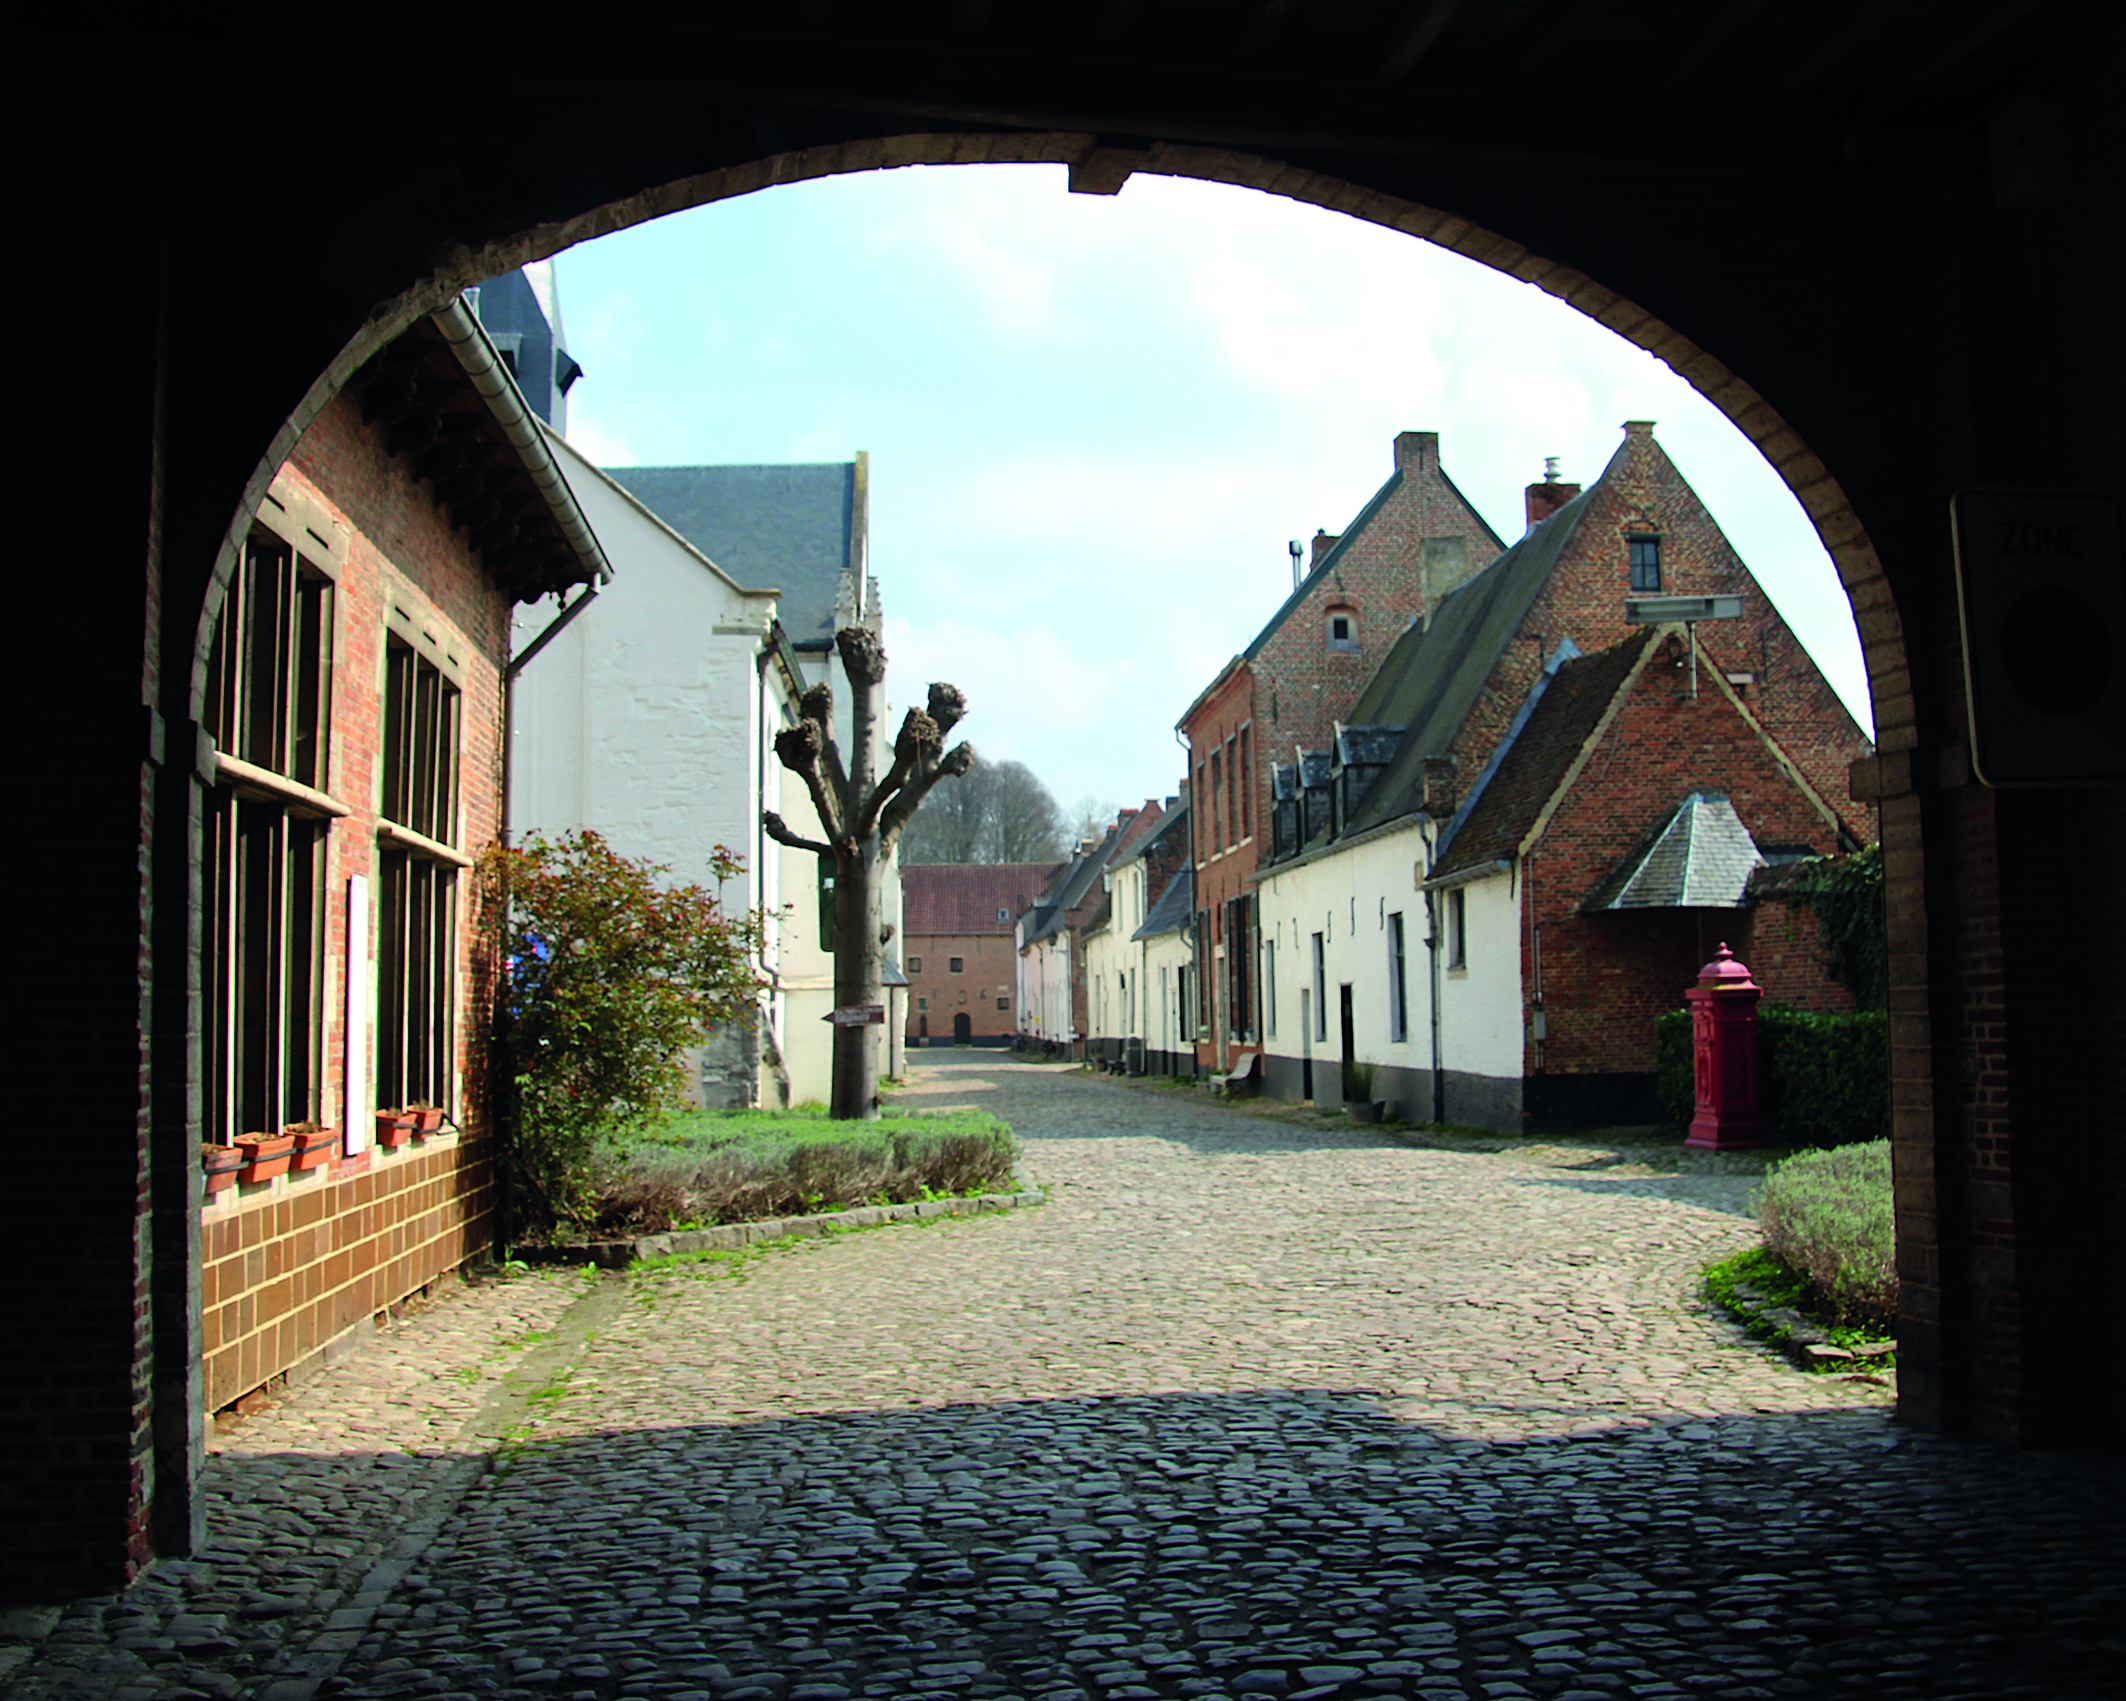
(1826,1216)
(608,976)
(743,1166)
(1822,1080)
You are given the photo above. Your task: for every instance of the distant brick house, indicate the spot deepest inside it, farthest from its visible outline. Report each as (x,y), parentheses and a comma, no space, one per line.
(958,948)
(356,713)
(1516,852)
(1412,544)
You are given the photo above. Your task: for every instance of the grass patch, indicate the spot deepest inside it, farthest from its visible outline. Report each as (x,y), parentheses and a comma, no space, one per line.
(1753,1287)
(707,1167)
(1826,1217)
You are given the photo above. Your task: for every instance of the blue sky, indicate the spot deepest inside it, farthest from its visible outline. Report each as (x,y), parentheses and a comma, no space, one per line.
(1095,421)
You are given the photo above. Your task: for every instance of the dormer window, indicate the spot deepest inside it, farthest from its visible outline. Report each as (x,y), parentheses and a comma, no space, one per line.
(1342,629)
(1645,563)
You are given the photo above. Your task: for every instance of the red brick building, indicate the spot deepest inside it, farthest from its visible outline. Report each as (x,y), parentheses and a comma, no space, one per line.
(1412,544)
(959,951)
(356,708)
(1495,780)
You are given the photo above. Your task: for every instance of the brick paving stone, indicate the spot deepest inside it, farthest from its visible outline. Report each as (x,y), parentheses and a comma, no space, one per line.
(1257,1405)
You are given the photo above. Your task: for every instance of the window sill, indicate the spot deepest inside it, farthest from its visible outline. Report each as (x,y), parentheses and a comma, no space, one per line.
(265,784)
(421,844)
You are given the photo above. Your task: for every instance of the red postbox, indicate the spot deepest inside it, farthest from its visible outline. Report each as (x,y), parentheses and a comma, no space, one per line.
(1723,1043)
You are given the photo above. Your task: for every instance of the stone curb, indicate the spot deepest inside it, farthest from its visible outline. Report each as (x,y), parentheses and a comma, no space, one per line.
(619,1254)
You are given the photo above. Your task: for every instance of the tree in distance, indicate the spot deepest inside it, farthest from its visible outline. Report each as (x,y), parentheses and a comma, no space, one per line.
(1089,818)
(999,812)
(863,817)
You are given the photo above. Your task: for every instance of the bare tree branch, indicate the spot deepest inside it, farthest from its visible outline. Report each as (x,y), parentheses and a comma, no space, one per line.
(957,760)
(919,733)
(779,831)
(863,655)
(799,748)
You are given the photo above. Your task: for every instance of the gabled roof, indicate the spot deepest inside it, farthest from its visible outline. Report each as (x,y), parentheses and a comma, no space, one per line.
(789,528)
(1573,704)
(1174,819)
(1698,856)
(1071,886)
(1433,676)
(1175,906)
(963,898)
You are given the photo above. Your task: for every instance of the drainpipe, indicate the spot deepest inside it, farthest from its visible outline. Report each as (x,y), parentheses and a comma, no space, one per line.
(1428,833)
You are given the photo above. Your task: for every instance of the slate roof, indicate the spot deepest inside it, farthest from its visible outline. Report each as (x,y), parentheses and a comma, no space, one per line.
(1176,904)
(1070,886)
(1431,678)
(1173,820)
(1564,718)
(963,898)
(783,528)
(1698,856)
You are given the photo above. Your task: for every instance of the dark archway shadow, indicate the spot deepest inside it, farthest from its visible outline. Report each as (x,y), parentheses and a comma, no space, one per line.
(1271,1542)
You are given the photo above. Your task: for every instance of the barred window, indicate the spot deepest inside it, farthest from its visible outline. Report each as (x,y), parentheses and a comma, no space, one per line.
(417,908)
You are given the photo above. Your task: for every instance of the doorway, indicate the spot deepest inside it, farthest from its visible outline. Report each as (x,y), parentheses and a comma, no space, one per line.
(1347,1026)
(962,1029)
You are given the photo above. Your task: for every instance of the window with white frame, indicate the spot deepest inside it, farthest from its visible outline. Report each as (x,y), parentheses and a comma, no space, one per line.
(269,712)
(1455,923)
(1398,991)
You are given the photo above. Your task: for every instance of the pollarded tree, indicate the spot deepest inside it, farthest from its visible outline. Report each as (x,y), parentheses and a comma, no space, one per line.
(862,816)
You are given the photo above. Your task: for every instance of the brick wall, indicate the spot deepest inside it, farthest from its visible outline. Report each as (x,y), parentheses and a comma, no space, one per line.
(989,972)
(310,1262)
(1606,977)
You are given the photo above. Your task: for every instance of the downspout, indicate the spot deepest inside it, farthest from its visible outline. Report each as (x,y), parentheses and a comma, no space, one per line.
(1439,1080)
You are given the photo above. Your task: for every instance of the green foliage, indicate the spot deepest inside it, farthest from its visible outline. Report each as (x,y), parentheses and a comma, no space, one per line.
(609,973)
(1825,1078)
(745,1166)
(1827,1216)
(1822,1079)
(1675,1079)
(1845,895)
(1750,1282)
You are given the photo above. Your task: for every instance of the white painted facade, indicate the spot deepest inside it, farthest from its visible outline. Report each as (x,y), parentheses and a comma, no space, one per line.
(1330,922)
(651,719)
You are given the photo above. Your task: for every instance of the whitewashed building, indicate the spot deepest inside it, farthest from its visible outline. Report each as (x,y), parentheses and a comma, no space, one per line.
(1133,1023)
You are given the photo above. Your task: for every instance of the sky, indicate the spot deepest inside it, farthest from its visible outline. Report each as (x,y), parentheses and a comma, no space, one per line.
(1094,422)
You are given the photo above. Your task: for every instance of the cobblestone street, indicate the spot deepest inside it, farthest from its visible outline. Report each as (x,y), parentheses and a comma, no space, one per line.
(1251,1407)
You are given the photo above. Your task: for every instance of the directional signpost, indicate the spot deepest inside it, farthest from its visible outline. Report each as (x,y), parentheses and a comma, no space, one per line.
(2041,581)
(857,1016)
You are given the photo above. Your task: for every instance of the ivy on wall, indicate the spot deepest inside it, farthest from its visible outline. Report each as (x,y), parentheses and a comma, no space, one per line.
(1845,895)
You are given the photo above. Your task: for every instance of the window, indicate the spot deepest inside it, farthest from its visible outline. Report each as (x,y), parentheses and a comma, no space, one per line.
(1239,960)
(922,1003)
(1002,913)
(1003,1004)
(417,881)
(1342,629)
(1218,834)
(1645,563)
(1398,995)
(1245,787)
(1456,925)
(1269,987)
(957,965)
(915,965)
(268,709)
(1321,990)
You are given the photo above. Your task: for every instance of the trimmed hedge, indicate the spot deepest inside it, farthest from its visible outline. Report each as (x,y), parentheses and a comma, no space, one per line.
(1823,1080)
(1826,1216)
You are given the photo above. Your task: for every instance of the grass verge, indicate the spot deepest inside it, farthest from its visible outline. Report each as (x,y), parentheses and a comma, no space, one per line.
(1778,1307)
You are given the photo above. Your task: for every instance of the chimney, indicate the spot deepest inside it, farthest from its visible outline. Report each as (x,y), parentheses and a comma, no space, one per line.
(1323,543)
(1439,787)
(1547,498)
(1416,452)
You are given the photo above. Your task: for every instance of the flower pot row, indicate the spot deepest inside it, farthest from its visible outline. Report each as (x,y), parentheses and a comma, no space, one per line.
(303,1146)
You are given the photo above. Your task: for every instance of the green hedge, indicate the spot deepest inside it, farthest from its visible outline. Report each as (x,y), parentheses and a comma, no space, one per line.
(1826,1216)
(1823,1080)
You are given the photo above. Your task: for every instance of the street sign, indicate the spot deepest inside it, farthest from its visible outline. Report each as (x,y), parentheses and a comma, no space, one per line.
(857,1016)
(2041,582)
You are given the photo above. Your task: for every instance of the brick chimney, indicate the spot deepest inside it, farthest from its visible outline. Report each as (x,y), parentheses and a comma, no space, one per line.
(1323,543)
(1416,452)
(1547,498)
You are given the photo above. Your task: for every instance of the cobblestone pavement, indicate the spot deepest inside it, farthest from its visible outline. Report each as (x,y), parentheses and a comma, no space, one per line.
(1252,1408)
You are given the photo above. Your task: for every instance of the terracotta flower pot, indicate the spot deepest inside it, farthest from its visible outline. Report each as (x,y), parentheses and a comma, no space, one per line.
(220,1164)
(265,1156)
(315,1147)
(394,1127)
(430,1119)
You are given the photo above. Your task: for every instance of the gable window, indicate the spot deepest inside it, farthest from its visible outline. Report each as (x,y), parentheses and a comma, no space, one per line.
(417,881)
(268,709)
(1342,629)
(1645,563)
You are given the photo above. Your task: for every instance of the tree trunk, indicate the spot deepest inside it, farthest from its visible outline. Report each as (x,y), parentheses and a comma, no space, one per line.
(857,915)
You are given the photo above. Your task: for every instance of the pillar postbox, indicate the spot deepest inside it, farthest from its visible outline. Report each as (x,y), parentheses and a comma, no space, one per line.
(1723,1041)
